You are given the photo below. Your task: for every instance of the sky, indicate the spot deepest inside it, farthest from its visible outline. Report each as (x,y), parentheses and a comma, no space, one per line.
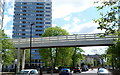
(75,16)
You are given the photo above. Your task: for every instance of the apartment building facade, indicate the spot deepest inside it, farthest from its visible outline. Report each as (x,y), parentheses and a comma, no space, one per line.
(95,60)
(27,12)
(1,13)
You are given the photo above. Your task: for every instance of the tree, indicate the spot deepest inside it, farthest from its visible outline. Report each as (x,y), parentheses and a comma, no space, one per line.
(103,57)
(46,53)
(76,56)
(113,56)
(65,56)
(54,31)
(60,56)
(109,21)
(8,50)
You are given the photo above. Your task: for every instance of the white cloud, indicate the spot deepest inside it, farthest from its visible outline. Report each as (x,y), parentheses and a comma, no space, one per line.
(98,31)
(6,20)
(8,17)
(10,11)
(67,18)
(67,27)
(11,26)
(62,11)
(76,28)
(8,32)
(8,1)
(9,7)
(76,20)
(53,25)
(62,8)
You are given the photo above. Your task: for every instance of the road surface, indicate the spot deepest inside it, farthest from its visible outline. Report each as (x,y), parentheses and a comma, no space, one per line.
(90,72)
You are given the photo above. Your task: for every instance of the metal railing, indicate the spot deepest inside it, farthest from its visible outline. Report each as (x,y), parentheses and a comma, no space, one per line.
(66,38)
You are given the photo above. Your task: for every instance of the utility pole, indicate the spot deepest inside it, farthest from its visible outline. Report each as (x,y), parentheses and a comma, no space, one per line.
(31,41)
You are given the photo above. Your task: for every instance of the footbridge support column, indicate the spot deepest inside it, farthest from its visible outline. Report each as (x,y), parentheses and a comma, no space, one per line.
(23,59)
(18,60)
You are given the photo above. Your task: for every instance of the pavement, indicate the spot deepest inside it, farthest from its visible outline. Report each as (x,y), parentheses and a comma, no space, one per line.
(115,72)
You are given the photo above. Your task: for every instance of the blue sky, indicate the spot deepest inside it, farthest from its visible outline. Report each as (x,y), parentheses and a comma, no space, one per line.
(75,16)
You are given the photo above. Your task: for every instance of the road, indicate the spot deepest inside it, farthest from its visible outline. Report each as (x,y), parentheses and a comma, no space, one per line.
(90,72)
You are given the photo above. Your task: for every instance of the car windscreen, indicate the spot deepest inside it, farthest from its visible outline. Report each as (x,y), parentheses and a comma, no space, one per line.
(24,72)
(101,71)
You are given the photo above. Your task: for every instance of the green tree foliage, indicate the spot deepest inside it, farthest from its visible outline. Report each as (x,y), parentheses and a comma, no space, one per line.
(55,31)
(52,54)
(60,56)
(77,56)
(113,55)
(103,57)
(109,21)
(8,50)
(64,56)
(48,54)
(0,45)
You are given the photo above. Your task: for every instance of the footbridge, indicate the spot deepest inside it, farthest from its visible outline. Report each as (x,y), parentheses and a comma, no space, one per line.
(65,41)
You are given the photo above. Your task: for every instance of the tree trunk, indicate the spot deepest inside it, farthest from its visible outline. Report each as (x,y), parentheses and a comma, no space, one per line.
(73,57)
(51,61)
(112,63)
(56,56)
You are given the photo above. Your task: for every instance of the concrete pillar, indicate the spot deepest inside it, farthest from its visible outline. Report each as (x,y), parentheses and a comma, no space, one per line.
(18,60)
(0,68)
(23,59)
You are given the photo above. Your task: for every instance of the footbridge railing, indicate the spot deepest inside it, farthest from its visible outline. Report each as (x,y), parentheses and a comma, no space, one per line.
(67,40)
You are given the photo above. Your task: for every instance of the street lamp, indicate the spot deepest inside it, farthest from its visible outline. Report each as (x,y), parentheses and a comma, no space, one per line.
(15,63)
(31,40)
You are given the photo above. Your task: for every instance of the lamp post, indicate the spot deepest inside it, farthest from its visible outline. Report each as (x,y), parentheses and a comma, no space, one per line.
(31,40)
(15,65)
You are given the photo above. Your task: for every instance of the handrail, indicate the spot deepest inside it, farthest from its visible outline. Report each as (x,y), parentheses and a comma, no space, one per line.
(64,38)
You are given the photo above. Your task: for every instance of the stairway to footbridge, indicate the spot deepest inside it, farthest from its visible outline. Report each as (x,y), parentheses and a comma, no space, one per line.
(79,40)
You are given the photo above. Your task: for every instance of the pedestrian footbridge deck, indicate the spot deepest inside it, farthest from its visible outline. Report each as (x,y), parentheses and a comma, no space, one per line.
(65,41)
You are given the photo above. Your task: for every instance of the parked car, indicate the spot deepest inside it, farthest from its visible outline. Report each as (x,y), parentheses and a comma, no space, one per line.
(28,72)
(103,71)
(85,68)
(77,69)
(65,71)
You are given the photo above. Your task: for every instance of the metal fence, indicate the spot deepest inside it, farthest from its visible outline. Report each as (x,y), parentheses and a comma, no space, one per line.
(66,38)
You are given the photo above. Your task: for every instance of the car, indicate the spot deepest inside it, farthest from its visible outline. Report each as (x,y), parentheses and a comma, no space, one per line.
(77,69)
(103,71)
(28,72)
(65,71)
(84,68)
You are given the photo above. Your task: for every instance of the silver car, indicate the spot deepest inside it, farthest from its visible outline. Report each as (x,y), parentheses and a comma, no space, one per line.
(65,71)
(103,71)
(28,72)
